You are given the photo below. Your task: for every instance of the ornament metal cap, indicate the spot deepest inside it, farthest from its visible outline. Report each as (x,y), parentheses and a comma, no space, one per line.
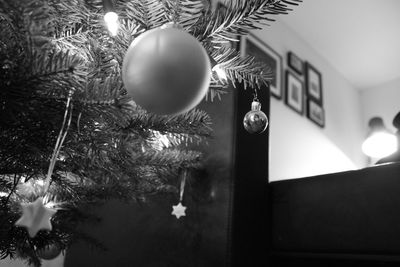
(255,105)
(171,25)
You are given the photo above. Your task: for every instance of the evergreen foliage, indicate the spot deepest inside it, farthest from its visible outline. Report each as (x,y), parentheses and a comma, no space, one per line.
(51,50)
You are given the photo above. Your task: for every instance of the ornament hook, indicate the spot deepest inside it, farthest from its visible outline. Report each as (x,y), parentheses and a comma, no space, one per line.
(255,96)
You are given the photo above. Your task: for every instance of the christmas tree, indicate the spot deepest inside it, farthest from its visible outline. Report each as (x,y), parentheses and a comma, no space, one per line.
(71,136)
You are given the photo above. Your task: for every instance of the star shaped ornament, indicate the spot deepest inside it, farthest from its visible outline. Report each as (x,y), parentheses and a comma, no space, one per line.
(35,217)
(178,210)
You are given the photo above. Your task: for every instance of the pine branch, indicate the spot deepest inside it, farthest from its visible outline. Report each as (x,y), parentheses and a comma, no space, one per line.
(240,17)
(195,123)
(168,157)
(184,12)
(216,90)
(45,66)
(44,75)
(5,184)
(129,31)
(102,90)
(113,149)
(66,15)
(240,68)
(148,13)
(74,39)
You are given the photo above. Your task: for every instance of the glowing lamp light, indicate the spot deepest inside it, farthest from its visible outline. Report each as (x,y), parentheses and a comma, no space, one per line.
(220,72)
(380,142)
(111,19)
(380,145)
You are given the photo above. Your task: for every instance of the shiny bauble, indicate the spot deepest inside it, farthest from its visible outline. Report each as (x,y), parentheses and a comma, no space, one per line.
(49,252)
(255,121)
(166,71)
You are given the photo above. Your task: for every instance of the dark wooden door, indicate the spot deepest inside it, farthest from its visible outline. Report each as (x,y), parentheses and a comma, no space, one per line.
(250,230)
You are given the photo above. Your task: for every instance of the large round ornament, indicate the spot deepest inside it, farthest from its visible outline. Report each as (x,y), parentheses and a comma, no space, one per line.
(49,252)
(166,71)
(255,121)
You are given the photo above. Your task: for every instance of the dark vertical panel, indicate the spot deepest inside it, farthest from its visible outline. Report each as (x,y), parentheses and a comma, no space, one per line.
(147,235)
(250,234)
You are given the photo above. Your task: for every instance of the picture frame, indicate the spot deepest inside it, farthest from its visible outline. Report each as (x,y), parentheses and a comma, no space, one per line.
(316,113)
(252,45)
(294,92)
(313,79)
(295,63)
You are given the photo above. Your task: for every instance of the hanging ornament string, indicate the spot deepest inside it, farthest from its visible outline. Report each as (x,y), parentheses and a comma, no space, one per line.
(179,210)
(182,188)
(79,122)
(255,96)
(60,140)
(36,216)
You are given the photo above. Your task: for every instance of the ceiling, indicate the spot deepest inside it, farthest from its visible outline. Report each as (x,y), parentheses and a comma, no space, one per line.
(360,38)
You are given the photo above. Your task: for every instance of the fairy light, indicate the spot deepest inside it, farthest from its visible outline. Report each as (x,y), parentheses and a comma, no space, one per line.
(40,182)
(50,204)
(164,141)
(61,157)
(220,72)
(216,67)
(160,141)
(110,17)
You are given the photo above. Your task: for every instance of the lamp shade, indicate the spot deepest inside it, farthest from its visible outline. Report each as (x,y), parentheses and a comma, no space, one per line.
(380,142)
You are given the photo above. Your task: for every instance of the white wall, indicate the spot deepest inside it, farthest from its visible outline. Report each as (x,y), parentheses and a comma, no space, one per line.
(382,101)
(298,147)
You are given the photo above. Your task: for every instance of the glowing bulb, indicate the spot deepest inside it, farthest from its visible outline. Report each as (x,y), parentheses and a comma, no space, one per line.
(40,182)
(220,72)
(50,204)
(61,158)
(164,141)
(160,141)
(379,145)
(111,19)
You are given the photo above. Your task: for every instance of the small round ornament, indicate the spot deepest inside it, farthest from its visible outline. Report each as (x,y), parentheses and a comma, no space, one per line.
(49,252)
(255,121)
(166,70)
